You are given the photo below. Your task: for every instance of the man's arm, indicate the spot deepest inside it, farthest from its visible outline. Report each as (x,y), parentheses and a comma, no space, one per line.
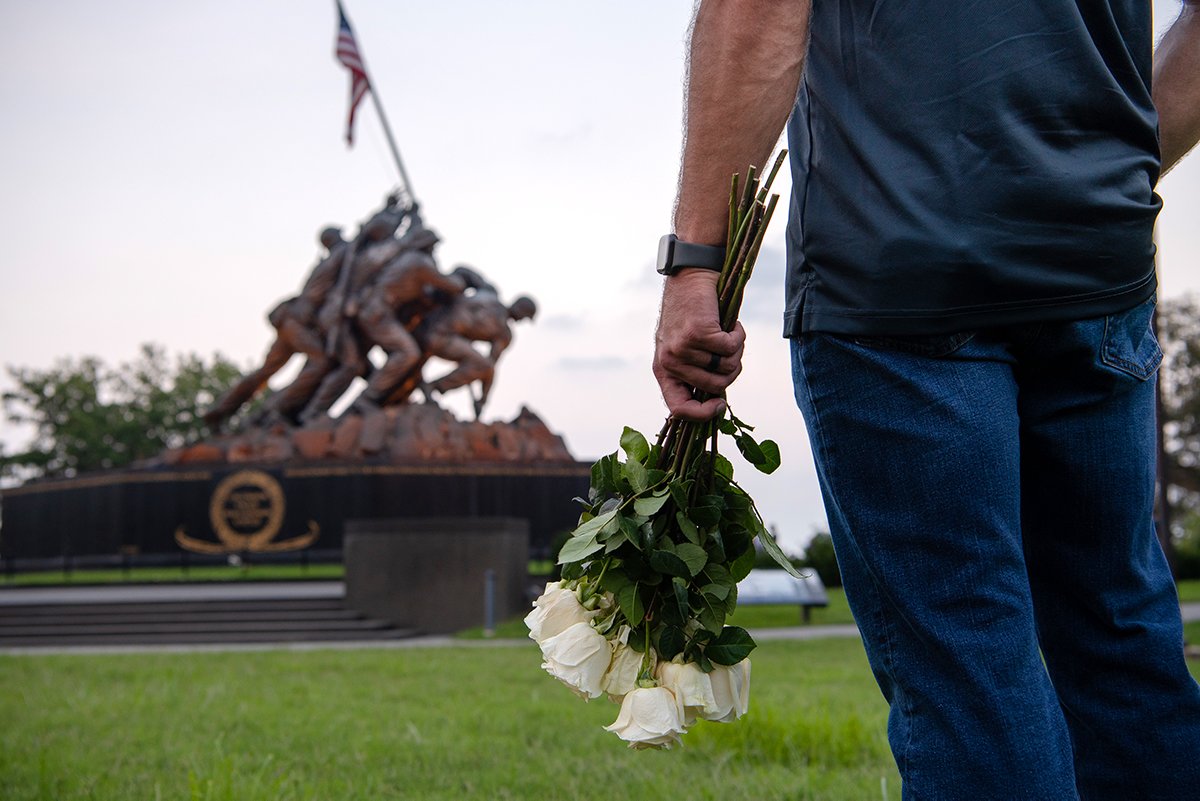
(1176,85)
(745,62)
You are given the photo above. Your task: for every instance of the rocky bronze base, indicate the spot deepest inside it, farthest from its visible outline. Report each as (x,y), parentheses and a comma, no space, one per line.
(405,434)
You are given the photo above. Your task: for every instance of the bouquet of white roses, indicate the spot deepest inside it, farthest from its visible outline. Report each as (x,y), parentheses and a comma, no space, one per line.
(650,574)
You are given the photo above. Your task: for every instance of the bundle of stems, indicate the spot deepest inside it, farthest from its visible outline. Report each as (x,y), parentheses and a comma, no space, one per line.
(680,442)
(666,535)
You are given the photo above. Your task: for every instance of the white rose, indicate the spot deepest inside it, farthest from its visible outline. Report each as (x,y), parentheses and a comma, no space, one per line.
(731,691)
(555,611)
(692,689)
(622,674)
(649,718)
(579,658)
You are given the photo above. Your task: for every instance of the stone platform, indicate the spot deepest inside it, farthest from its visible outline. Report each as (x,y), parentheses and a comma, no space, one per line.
(288,489)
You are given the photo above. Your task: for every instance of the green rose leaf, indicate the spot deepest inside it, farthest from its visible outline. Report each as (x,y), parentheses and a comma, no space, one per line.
(670,642)
(731,646)
(584,540)
(770,452)
(629,599)
(637,639)
(651,504)
(577,549)
(724,467)
(677,601)
(615,580)
(718,591)
(648,536)
(614,542)
(775,552)
(705,516)
(636,474)
(718,574)
(711,614)
(750,449)
(669,564)
(714,544)
(634,445)
(632,531)
(603,479)
(680,491)
(688,527)
(741,566)
(731,600)
(737,540)
(736,500)
(693,556)
(727,426)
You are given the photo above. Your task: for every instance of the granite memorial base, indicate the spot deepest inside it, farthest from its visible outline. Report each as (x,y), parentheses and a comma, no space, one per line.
(262,510)
(432,574)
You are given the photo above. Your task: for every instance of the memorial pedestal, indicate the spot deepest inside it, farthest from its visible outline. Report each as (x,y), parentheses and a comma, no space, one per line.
(431,574)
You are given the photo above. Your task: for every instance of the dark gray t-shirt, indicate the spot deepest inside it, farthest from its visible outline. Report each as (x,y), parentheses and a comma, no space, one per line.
(961,164)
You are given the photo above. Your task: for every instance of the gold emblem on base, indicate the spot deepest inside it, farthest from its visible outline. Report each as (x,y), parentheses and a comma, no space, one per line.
(246,511)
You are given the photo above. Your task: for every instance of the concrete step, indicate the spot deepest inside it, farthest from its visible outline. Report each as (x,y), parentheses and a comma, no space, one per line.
(207,638)
(136,619)
(24,611)
(176,616)
(191,627)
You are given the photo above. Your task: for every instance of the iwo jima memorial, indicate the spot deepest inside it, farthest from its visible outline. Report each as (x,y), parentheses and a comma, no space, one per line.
(355,458)
(281,473)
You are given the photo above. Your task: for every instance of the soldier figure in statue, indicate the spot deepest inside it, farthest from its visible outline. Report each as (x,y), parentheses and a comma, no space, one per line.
(373,247)
(449,331)
(296,331)
(408,288)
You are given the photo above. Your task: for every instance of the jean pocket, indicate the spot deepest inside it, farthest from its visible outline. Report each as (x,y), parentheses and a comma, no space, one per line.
(932,346)
(1129,343)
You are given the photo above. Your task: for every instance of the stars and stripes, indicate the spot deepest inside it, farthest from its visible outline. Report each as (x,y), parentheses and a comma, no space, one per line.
(347,53)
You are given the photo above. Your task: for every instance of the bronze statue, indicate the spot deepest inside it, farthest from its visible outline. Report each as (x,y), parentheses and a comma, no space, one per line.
(382,289)
(339,316)
(450,330)
(409,286)
(296,331)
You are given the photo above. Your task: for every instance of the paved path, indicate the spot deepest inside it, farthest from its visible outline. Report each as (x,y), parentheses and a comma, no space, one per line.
(308,589)
(432,641)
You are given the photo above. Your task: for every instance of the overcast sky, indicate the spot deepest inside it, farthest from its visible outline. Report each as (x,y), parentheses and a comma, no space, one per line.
(165,168)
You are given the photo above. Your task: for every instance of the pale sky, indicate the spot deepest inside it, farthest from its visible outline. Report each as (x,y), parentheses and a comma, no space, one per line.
(165,168)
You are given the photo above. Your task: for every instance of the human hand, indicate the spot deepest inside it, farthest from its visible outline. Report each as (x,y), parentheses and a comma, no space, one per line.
(691,351)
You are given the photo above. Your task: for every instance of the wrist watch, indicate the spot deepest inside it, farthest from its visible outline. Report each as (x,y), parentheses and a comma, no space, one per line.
(675,255)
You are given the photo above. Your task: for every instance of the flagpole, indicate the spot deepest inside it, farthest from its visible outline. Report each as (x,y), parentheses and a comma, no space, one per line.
(387,131)
(383,120)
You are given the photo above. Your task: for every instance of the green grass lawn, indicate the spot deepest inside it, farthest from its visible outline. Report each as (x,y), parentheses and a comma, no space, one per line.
(1189,590)
(455,723)
(468,722)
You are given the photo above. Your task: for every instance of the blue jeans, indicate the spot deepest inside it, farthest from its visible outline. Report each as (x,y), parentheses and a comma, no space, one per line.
(990,499)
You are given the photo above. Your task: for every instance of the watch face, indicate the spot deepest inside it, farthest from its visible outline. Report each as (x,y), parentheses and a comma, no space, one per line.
(666,247)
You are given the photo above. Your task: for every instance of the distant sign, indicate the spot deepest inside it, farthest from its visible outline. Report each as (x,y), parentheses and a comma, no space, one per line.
(778,587)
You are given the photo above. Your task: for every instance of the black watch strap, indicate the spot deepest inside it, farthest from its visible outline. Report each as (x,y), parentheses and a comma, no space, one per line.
(675,255)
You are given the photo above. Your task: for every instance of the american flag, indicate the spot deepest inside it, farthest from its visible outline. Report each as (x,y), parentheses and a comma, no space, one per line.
(347,53)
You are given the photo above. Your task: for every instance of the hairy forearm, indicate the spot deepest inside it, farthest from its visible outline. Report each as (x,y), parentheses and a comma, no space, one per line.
(1176,85)
(744,68)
